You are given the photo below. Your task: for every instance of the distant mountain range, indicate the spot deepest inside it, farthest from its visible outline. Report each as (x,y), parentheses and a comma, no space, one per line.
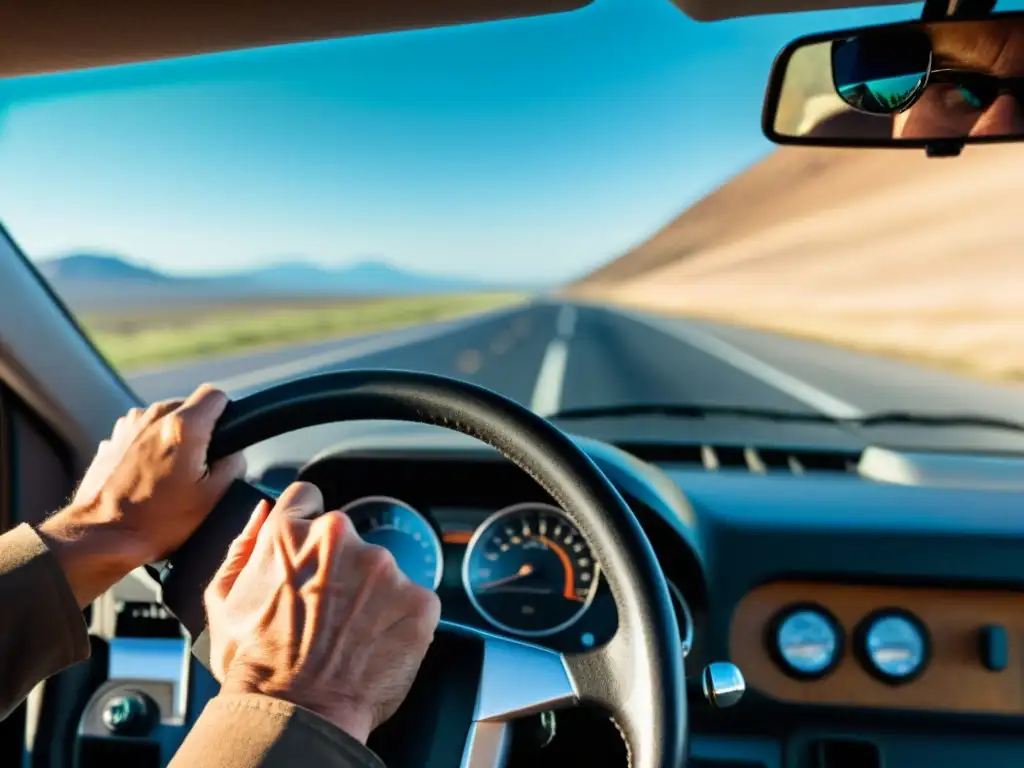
(92,281)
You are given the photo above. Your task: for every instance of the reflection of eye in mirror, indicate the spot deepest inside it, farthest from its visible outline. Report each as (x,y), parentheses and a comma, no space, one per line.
(908,84)
(881,73)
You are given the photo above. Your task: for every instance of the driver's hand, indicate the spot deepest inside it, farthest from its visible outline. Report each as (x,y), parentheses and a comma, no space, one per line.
(306,611)
(146,491)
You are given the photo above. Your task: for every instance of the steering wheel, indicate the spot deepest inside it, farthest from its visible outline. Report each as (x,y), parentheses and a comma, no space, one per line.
(474,683)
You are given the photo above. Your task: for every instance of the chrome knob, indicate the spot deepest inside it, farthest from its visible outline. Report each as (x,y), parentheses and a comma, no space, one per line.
(723,684)
(128,714)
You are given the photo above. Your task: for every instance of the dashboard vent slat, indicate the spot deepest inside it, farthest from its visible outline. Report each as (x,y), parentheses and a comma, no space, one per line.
(709,458)
(759,460)
(754,463)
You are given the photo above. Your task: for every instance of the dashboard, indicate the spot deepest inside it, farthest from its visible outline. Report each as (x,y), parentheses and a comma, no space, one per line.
(876,623)
(499,553)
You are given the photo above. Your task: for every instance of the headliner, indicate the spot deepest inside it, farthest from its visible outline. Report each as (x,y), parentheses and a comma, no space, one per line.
(43,36)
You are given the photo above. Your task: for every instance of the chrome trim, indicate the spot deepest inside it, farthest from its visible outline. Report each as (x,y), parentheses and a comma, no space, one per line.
(478,534)
(520,679)
(517,679)
(487,746)
(687,638)
(435,540)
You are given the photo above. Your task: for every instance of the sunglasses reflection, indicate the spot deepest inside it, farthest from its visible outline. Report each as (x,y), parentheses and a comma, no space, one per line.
(921,80)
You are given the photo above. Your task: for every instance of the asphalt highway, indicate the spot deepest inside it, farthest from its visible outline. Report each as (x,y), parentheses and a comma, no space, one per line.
(552,355)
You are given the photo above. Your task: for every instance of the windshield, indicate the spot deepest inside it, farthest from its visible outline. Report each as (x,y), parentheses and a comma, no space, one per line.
(578,211)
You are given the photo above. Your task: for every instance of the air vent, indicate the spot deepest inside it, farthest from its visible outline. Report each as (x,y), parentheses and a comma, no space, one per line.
(756,460)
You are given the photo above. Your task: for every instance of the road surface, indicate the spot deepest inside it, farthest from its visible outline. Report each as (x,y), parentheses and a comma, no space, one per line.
(552,355)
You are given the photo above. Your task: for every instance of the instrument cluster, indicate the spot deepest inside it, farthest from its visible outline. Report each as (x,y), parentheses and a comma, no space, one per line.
(523,570)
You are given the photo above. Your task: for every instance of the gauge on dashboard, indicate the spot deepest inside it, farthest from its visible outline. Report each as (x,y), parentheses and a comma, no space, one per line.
(529,572)
(894,645)
(404,532)
(806,641)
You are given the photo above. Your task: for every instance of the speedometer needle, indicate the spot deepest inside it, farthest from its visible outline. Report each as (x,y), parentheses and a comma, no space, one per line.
(524,570)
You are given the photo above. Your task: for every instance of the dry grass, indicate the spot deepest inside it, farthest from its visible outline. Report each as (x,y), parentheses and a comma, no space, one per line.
(972,340)
(881,250)
(168,334)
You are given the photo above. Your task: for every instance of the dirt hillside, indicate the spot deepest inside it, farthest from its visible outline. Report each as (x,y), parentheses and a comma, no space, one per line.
(881,249)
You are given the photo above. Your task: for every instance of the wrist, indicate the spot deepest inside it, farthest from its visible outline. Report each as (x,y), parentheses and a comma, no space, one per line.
(91,550)
(351,720)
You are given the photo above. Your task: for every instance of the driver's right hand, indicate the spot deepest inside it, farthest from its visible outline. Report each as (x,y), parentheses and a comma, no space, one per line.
(306,611)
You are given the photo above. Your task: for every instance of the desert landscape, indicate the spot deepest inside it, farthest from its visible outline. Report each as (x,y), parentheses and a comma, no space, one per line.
(141,317)
(884,250)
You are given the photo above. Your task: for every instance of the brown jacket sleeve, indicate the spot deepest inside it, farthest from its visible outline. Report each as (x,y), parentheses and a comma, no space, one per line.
(248,730)
(42,631)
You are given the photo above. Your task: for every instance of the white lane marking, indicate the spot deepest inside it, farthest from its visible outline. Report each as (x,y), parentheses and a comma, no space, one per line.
(565,325)
(547,393)
(400,338)
(822,401)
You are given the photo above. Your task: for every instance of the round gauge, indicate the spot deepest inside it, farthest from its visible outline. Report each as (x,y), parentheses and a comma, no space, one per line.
(684,616)
(404,532)
(895,645)
(807,641)
(529,572)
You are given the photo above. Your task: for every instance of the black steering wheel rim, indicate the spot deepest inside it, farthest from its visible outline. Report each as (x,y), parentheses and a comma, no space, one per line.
(638,676)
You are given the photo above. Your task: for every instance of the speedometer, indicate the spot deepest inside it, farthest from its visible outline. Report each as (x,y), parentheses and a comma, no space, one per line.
(404,532)
(528,571)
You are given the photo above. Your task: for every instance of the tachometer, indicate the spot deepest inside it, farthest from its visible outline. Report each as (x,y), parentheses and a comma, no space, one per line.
(404,532)
(528,571)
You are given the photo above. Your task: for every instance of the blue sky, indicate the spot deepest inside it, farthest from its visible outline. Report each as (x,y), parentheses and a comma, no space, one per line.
(528,149)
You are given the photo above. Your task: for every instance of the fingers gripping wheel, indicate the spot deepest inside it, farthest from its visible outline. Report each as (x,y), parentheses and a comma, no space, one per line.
(638,676)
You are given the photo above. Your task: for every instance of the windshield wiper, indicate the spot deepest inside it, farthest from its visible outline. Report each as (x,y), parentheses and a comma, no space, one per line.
(690,412)
(882,418)
(937,420)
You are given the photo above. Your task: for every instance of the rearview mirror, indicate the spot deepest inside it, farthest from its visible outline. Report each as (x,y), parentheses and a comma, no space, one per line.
(913,84)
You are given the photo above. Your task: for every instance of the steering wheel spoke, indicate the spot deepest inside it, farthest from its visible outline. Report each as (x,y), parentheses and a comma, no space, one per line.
(516,679)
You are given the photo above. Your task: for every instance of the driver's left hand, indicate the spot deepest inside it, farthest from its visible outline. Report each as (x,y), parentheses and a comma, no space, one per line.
(146,491)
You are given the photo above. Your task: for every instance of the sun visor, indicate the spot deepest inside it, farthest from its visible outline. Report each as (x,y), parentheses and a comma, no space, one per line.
(43,36)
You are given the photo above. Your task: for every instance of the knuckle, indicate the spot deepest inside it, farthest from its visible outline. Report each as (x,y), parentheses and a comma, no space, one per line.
(280,524)
(302,500)
(424,608)
(161,408)
(175,428)
(334,526)
(210,596)
(374,560)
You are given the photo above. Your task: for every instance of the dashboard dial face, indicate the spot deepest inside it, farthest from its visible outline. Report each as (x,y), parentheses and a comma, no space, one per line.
(808,642)
(896,646)
(404,532)
(529,572)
